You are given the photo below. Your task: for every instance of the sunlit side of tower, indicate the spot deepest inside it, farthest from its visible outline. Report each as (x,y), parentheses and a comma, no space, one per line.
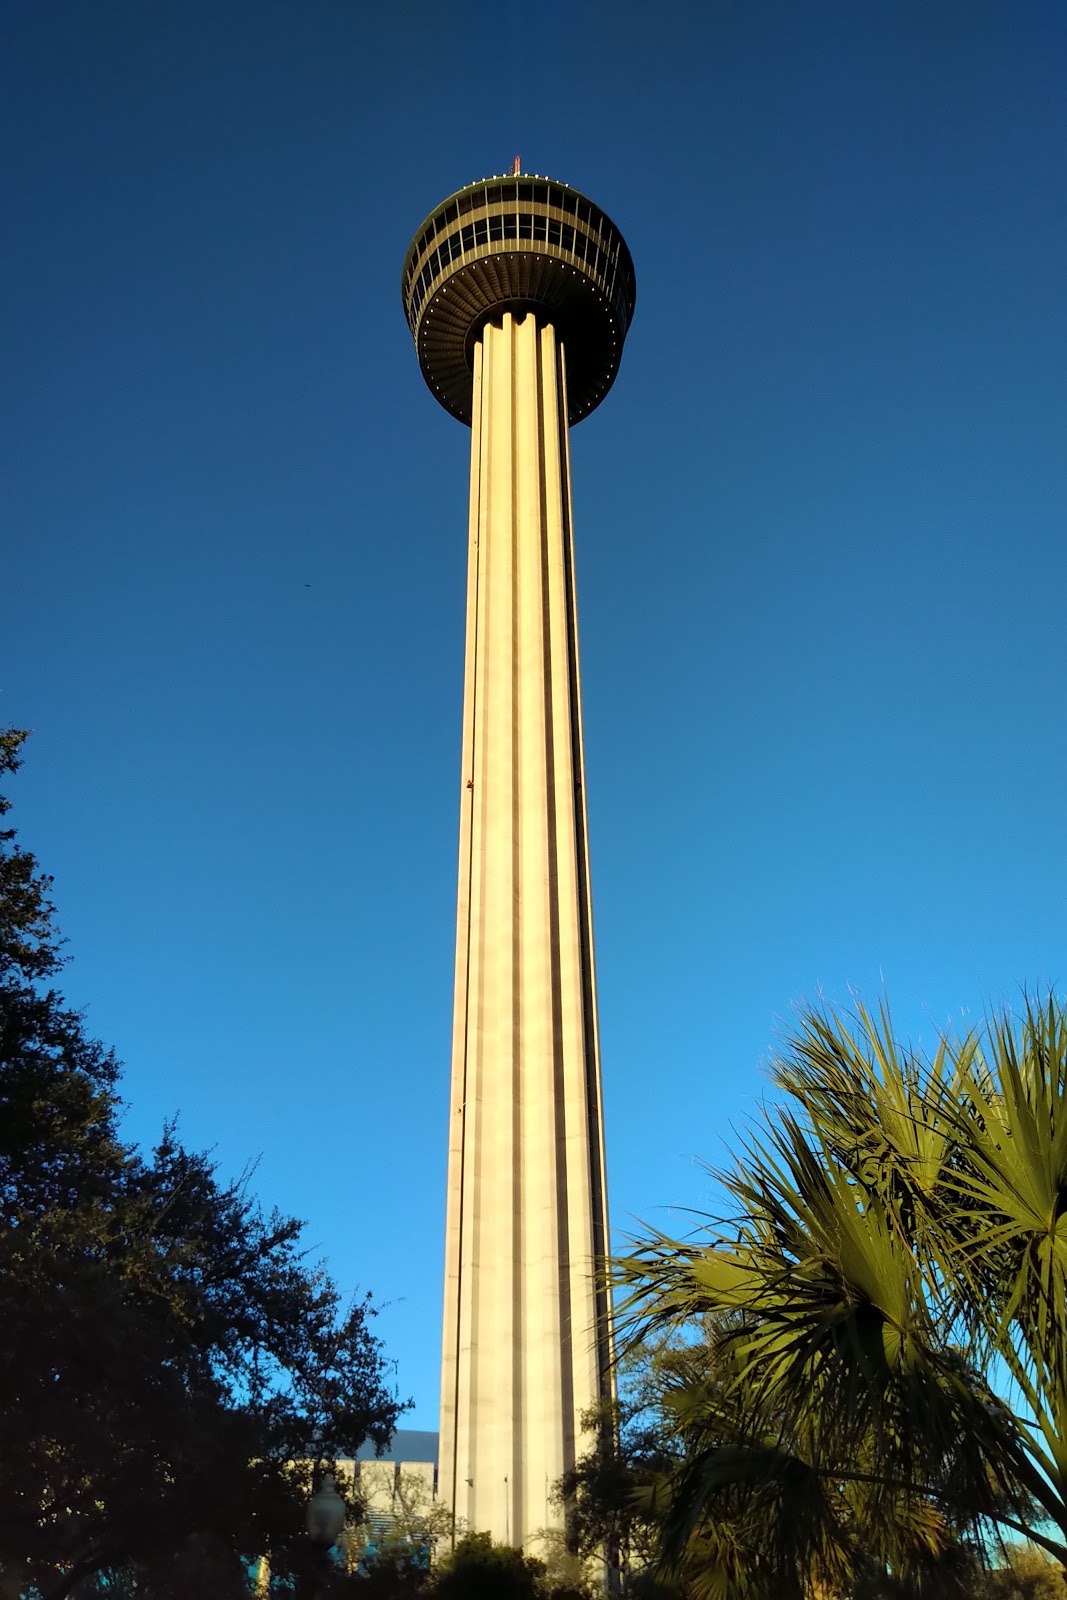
(519,292)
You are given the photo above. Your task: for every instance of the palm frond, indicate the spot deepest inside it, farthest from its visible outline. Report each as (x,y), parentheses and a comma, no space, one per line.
(892,1242)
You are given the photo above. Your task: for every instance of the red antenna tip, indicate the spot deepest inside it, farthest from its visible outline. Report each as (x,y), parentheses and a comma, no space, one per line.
(517,166)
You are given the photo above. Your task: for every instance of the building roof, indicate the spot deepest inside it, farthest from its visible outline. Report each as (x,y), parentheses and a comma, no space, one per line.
(407,1444)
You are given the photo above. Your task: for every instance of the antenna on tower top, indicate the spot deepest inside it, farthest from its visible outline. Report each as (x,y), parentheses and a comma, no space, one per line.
(516,166)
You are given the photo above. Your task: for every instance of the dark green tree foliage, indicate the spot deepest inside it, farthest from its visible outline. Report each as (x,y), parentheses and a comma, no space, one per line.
(609,1493)
(478,1569)
(165,1348)
(57,1099)
(395,1575)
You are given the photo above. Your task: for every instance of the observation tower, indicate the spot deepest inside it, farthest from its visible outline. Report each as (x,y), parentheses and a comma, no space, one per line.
(519,292)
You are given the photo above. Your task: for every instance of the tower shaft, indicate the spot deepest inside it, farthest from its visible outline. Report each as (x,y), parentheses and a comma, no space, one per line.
(526,1327)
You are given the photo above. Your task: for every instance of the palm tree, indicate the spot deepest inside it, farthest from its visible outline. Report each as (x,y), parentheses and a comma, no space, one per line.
(883,1311)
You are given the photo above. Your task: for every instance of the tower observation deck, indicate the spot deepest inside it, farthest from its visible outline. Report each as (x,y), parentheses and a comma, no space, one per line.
(519,244)
(519,292)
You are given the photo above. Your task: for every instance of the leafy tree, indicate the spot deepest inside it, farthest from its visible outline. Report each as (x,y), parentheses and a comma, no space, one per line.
(884,1304)
(478,1569)
(609,1494)
(1025,1573)
(167,1349)
(393,1554)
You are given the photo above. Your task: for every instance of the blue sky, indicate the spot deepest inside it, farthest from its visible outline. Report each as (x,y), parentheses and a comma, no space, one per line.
(821,556)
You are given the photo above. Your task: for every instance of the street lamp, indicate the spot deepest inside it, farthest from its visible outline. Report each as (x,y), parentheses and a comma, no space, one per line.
(325,1514)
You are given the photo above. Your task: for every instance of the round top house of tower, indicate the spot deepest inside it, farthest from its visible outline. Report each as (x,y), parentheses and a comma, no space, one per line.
(526,245)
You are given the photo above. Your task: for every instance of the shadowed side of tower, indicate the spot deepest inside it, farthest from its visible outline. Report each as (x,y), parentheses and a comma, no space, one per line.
(519,293)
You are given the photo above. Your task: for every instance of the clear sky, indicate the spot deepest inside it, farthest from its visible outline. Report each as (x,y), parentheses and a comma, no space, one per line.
(821,555)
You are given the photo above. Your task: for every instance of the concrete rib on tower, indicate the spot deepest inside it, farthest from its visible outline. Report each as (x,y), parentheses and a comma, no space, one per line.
(519,292)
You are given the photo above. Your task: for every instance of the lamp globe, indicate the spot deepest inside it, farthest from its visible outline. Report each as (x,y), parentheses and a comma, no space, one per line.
(326,1514)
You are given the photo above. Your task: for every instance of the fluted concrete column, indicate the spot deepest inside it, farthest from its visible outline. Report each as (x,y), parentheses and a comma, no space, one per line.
(525,1331)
